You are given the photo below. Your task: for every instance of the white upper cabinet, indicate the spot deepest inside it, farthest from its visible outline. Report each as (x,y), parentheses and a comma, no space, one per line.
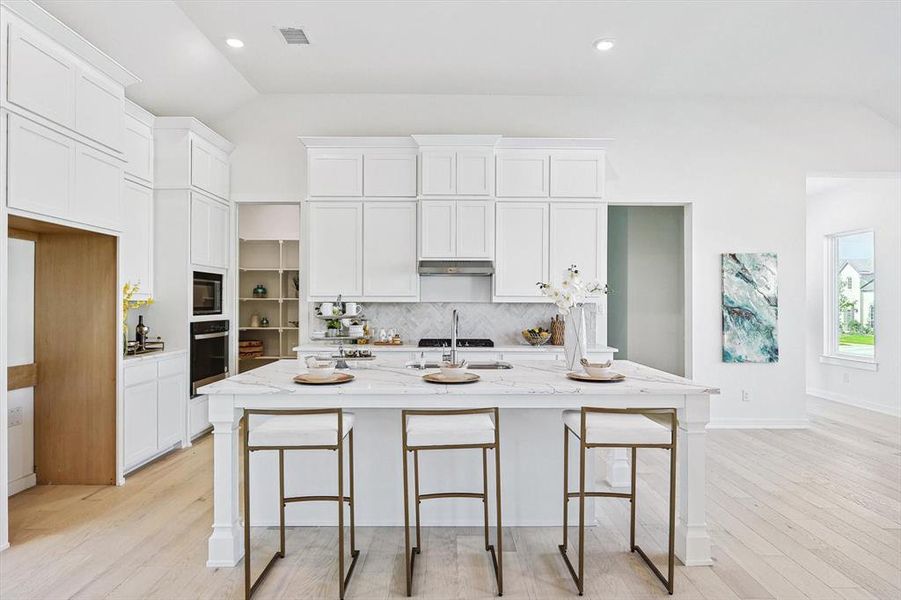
(188,154)
(137,143)
(579,237)
(98,187)
(335,174)
(577,174)
(40,168)
(475,172)
(136,241)
(438,229)
(439,172)
(335,250)
(474,229)
(457,171)
(523,173)
(40,76)
(209,168)
(99,110)
(389,174)
(210,232)
(522,250)
(389,251)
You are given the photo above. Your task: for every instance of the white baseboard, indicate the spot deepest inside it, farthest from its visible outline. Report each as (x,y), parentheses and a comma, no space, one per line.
(894,411)
(738,423)
(22,483)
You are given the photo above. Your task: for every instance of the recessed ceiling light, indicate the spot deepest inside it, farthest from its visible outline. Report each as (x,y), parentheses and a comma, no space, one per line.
(604,44)
(234,43)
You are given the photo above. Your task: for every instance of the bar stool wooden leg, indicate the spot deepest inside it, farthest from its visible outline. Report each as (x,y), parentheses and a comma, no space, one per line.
(632,501)
(340,517)
(246,507)
(565,488)
(581,578)
(408,567)
(672,514)
(417,502)
(350,445)
(485,493)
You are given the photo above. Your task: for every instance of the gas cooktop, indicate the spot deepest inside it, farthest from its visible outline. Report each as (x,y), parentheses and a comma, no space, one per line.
(461,343)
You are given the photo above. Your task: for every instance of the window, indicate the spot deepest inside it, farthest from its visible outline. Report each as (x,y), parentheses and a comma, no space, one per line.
(850,313)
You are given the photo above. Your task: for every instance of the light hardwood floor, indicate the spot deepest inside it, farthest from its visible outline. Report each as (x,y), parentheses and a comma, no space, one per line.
(813,514)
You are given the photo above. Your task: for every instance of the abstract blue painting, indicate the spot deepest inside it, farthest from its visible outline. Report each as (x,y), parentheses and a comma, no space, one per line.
(750,308)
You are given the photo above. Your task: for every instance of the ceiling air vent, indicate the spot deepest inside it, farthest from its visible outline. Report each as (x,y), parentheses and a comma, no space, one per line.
(294,35)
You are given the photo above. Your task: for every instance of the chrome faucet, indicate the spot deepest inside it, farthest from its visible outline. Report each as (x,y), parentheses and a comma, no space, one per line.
(455,323)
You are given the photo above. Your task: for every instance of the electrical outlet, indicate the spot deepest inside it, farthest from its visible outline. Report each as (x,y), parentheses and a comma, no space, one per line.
(745,396)
(846,378)
(16,416)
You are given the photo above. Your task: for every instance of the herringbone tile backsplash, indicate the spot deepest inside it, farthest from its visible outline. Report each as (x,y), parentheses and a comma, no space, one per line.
(499,322)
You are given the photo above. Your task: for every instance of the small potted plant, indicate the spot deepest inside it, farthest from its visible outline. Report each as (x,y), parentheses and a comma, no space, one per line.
(333,328)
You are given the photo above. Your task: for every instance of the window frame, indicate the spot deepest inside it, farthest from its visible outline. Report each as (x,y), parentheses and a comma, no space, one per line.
(832,287)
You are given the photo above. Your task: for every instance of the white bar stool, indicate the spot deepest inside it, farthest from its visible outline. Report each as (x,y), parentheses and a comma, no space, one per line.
(315,429)
(452,430)
(618,428)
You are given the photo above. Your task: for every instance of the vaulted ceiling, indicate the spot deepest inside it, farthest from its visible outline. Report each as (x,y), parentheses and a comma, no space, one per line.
(831,49)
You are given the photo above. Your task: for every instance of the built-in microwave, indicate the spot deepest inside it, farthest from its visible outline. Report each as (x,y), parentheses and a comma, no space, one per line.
(207,293)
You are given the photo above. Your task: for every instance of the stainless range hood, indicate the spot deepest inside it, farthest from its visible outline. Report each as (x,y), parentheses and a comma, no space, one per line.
(479,268)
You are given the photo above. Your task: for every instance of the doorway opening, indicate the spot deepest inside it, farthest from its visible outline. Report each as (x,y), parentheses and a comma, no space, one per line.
(647,274)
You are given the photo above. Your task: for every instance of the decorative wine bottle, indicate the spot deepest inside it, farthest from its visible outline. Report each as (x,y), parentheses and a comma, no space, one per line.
(141,332)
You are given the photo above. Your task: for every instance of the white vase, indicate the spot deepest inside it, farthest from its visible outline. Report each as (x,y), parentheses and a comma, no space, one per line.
(575,338)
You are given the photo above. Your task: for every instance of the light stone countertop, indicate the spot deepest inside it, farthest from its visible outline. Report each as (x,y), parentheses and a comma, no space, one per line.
(147,356)
(387,377)
(546,349)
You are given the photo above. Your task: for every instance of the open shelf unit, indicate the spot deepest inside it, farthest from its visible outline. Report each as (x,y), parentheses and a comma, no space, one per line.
(273,264)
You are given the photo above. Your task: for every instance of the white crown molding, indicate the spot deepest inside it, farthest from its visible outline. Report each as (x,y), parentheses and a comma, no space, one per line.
(456,140)
(554,143)
(195,126)
(48,24)
(139,112)
(405,141)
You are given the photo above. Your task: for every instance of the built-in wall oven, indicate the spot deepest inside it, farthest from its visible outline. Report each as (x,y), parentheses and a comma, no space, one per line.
(209,353)
(207,293)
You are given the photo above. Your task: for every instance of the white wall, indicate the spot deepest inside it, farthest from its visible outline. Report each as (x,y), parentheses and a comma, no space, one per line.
(846,205)
(648,313)
(20,345)
(741,163)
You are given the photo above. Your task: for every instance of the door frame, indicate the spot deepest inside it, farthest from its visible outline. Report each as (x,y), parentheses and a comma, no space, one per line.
(687,267)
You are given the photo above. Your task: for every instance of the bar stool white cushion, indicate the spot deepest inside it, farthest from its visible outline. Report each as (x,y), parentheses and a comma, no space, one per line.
(617,428)
(449,430)
(300,430)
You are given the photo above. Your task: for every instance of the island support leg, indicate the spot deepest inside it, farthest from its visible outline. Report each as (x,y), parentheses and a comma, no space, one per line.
(692,539)
(226,545)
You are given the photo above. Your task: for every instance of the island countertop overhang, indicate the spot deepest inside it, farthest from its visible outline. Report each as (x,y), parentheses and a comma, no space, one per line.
(528,380)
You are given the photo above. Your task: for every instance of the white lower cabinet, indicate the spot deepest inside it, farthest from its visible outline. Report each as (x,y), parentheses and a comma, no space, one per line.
(156,390)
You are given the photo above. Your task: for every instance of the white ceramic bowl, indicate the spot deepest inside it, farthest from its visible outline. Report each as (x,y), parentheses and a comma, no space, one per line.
(321,370)
(599,369)
(453,371)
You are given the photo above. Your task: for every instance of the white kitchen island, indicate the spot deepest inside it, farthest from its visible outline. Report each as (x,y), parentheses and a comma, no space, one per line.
(530,396)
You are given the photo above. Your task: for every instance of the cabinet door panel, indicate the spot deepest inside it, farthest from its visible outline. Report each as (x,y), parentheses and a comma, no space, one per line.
(438,229)
(99,111)
(475,172)
(171,398)
(98,188)
(521,249)
(137,143)
(336,248)
(389,244)
(40,168)
(136,242)
(200,230)
(389,175)
(140,435)
(220,177)
(439,172)
(522,174)
(475,229)
(201,166)
(335,174)
(39,77)
(219,235)
(577,174)
(579,237)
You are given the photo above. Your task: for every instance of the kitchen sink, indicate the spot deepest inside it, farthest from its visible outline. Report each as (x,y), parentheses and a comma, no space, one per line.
(475,365)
